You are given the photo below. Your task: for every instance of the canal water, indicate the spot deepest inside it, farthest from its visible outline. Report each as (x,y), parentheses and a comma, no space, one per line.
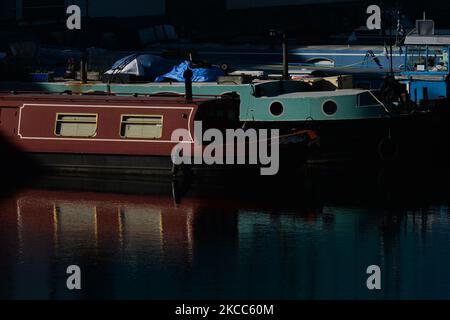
(311,236)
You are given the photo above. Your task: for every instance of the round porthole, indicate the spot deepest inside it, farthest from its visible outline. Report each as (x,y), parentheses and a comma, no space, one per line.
(329,107)
(276,109)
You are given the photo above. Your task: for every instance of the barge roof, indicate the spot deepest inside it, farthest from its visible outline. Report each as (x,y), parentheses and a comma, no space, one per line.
(318,94)
(175,99)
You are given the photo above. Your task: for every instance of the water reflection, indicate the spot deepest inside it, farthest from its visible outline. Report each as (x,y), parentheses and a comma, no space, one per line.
(152,247)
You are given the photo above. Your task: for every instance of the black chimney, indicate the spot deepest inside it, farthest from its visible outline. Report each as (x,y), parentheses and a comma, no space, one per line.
(187,75)
(83,67)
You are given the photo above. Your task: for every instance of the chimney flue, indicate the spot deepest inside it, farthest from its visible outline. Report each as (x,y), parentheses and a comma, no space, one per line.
(83,68)
(187,75)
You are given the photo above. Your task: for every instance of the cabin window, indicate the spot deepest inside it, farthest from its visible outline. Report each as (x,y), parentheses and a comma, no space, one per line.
(76,125)
(437,58)
(417,58)
(141,126)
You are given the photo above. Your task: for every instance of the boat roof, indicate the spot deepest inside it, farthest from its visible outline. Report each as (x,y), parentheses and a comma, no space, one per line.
(318,94)
(430,40)
(99,97)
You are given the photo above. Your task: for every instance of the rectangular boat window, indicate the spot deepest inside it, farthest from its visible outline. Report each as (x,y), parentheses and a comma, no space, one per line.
(76,125)
(417,58)
(141,126)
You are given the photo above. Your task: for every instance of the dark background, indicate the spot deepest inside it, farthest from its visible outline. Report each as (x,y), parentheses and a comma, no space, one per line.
(198,20)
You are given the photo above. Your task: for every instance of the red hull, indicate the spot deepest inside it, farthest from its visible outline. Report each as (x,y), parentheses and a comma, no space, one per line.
(28,121)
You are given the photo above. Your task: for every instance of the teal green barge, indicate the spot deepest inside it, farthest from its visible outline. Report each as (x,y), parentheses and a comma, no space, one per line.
(260,101)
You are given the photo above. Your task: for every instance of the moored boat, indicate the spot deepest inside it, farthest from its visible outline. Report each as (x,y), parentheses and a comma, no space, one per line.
(345,119)
(117,134)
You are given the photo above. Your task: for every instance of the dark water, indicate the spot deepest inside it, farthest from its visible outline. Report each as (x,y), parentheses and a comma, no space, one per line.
(309,237)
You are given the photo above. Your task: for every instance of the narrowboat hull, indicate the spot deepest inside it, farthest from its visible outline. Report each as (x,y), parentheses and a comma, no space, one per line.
(415,138)
(29,124)
(107,134)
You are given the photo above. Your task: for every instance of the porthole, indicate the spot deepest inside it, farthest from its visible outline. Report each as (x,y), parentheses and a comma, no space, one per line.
(329,107)
(276,109)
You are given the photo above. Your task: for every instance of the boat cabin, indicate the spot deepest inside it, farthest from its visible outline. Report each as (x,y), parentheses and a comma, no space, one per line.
(108,125)
(426,67)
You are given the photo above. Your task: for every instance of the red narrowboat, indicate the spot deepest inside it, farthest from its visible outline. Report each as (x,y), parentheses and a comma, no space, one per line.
(111,133)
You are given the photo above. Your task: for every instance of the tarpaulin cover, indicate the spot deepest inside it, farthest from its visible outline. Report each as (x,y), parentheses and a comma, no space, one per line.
(143,65)
(199,74)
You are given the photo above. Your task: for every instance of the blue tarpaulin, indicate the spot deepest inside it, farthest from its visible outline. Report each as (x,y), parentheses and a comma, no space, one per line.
(199,74)
(143,65)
